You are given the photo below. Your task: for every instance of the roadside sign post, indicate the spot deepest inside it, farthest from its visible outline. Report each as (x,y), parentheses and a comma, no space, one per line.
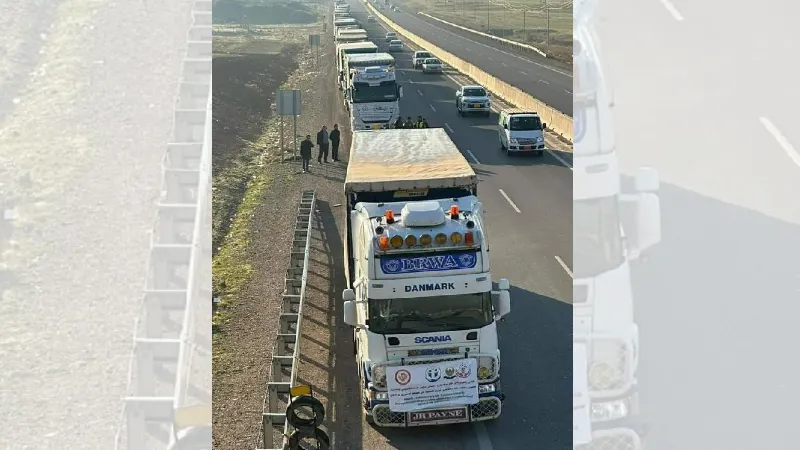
(314,42)
(288,103)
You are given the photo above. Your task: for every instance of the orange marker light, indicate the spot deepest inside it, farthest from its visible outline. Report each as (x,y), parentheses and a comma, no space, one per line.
(441,239)
(454,211)
(469,238)
(397,241)
(411,240)
(383,242)
(455,238)
(389,216)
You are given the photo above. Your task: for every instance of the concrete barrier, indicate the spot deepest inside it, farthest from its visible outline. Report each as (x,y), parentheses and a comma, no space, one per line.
(508,42)
(556,121)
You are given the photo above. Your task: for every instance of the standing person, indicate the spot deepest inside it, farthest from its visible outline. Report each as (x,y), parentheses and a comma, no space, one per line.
(334,137)
(409,123)
(323,140)
(305,152)
(419,122)
(425,123)
(398,124)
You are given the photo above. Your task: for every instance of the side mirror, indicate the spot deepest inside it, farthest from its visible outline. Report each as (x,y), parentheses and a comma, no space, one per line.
(400,91)
(544,126)
(646,179)
(350,313)
(503,284)
(505,126)
(503,304)
(349,295)
(641,222)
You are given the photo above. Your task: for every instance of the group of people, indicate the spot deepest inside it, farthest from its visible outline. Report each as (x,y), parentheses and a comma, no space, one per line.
(330,141)
(325,141)
(421,122)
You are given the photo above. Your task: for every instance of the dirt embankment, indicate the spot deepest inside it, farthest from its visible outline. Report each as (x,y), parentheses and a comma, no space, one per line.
(247,74)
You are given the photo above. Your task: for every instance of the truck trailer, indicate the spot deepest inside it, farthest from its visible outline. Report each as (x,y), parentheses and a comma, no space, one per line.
(419,291)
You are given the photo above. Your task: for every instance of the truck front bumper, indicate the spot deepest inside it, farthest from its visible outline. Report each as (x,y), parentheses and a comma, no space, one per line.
(489,407)
(372,126)
(616,424)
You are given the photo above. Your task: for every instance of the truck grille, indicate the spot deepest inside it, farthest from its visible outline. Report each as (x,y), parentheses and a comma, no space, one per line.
(485,409)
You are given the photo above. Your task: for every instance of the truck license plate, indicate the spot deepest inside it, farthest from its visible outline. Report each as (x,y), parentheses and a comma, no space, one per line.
(436,415)
(526,147)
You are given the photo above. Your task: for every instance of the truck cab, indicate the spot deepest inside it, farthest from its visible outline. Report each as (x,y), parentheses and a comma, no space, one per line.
(371,92)
(420,296)
(521,131)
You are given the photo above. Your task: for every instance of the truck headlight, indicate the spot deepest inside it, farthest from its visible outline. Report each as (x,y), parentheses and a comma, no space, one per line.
(379,395)
(539,139)
(487,368)
(379,375)
(484,388)
(513,140)
(605,411)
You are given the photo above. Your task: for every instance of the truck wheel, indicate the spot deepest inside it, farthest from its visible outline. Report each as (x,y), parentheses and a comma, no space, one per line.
(540,153)
(355,345)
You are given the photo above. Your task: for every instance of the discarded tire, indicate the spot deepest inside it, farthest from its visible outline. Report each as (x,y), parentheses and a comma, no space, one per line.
(318,434)
(305,401)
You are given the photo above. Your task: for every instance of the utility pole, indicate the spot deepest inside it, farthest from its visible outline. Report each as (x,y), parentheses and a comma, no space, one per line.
(547,12)
(488,30)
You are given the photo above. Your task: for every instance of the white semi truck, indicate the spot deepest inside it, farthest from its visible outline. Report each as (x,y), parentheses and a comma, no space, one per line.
(352,48)
(346,35)
(610,230)
(343,23)
(419,294)
(371,93)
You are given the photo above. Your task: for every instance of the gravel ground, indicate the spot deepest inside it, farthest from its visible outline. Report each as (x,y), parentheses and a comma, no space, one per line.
(86,137)
(248,339)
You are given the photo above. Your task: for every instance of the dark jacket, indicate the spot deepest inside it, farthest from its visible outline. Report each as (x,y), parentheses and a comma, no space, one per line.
(398,123)
(320,135)
(334,136)
(305,149)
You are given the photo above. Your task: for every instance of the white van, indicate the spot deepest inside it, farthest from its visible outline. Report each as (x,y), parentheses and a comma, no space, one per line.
(521,130)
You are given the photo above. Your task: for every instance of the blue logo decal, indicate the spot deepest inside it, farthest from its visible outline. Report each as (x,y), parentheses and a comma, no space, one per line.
(429,339)
(431,263)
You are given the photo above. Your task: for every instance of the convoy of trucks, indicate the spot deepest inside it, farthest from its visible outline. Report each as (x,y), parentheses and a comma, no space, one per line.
(419,286)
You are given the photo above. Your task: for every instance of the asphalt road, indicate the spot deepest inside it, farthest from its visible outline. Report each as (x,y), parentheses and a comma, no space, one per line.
(713,107)
(530,221)
(549,84)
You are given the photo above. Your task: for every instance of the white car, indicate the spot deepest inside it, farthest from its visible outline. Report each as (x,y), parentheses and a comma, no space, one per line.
(521,131)
(431,65)
(390,36)
(419,57)
(473,99)
(395,46)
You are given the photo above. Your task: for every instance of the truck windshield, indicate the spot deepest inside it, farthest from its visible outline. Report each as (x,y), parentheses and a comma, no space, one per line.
(597,237)
(430,314)
(525,124)
(364,93)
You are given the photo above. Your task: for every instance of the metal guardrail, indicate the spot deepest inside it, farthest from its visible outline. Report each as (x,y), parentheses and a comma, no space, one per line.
(178,280)
(508,42)
(286,352)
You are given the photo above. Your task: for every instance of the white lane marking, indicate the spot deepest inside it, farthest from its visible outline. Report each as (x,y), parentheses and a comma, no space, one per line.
(568,92)
(559,159)
(504,64)
(510,202)
(672,10)
(484,443)
(410,81)
(469,49)
(564,266)
(543,81)
(523,72)
(446,125)
(434,109)
(472,155)
(419,92)
(782,141)
(490,58)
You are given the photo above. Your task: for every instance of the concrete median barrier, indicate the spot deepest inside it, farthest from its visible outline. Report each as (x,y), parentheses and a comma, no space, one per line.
(556,121)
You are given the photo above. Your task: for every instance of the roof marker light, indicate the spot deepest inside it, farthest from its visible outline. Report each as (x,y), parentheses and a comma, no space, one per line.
(441,239)
(425,240)
(455,238)
(469,239)
(454,212)
(389,216)
(411,241)
(397,241)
